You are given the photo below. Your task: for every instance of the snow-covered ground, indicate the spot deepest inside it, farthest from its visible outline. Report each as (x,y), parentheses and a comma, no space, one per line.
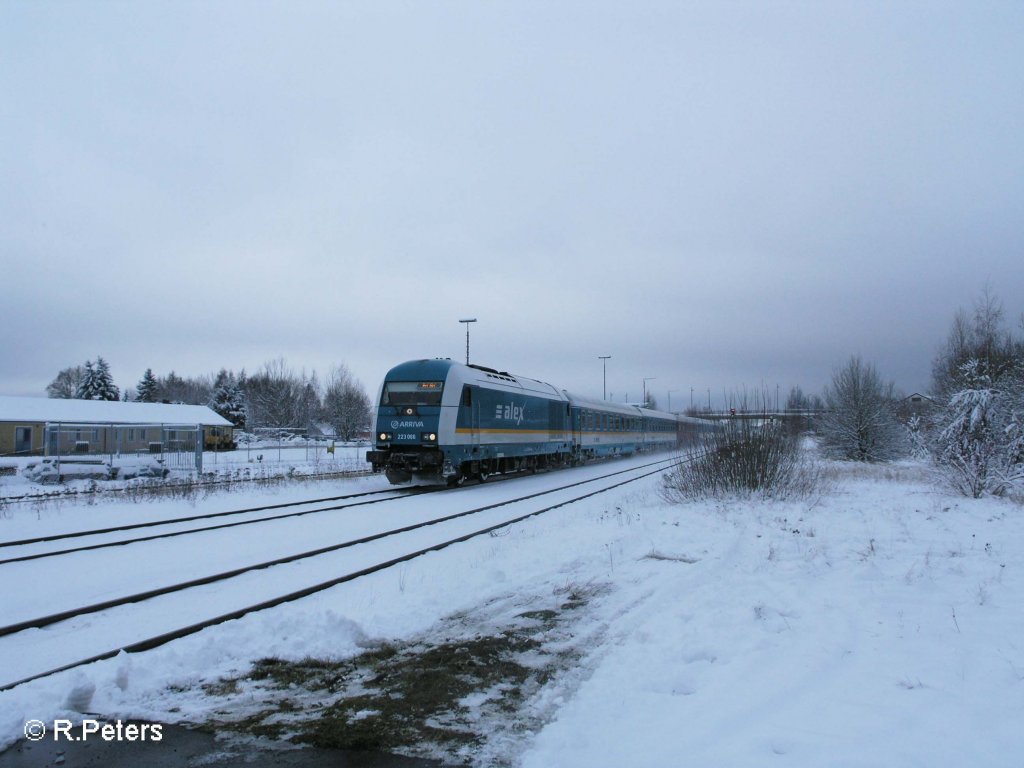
(879,625)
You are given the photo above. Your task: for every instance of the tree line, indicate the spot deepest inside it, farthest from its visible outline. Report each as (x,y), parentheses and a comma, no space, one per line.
(971,427)
(275,396)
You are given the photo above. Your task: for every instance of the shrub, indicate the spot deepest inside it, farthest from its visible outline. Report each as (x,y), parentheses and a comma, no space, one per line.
(860,422)
(744,458)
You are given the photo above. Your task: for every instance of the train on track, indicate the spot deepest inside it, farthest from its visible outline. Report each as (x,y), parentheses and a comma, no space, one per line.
(439,421)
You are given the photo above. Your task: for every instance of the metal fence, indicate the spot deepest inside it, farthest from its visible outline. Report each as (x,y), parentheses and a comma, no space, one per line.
(173,446)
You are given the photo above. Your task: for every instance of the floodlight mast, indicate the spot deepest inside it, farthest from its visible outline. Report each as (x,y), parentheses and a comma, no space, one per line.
(467,321)
(604,366)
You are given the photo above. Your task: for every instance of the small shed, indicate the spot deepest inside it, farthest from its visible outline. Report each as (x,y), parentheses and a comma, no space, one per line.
(41,425)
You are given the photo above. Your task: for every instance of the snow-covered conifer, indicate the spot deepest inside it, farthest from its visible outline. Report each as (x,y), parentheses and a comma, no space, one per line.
(96,382)
(87,385)
(229,399)
(147,389)
(106,389)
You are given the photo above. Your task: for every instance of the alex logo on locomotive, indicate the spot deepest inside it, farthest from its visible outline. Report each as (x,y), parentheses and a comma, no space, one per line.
(509,412)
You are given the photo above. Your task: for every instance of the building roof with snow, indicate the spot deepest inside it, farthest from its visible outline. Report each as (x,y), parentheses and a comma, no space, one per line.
(48,410)
(917,397)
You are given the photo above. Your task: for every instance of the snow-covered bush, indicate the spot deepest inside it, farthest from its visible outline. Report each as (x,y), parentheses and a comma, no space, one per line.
(860,421)
(744,458)
(979,445)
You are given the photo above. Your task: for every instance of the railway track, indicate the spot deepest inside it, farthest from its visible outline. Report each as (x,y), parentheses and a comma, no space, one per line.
(81,633)
(158,487)
(18,550)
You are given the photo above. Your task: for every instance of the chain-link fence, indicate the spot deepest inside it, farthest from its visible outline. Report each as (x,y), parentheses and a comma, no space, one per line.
(107,451)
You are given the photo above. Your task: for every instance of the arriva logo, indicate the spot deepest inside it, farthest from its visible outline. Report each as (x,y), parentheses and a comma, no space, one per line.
(509,412)
(401,424)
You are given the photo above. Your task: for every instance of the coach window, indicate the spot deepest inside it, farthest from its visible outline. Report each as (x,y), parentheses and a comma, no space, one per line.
(467,395)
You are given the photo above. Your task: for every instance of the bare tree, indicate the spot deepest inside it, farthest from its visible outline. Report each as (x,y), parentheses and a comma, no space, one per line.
(273,394)
(346,405)
(308,409)
(979,336)
(195,390)
(859,422)
(66,384)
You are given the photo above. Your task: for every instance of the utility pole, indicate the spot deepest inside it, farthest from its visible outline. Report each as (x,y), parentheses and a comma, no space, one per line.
(604,365)
(649,378)
(467,321)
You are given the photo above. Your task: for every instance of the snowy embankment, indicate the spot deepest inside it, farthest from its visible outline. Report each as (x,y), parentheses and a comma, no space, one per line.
(881,625)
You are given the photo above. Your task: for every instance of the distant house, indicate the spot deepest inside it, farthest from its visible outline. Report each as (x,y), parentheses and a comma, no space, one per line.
(42,425)
(916,405)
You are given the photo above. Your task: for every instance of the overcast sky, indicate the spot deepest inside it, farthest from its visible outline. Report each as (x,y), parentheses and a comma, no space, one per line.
(717,195)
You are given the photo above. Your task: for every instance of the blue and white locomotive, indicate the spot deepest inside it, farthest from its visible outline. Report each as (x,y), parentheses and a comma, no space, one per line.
(442,421)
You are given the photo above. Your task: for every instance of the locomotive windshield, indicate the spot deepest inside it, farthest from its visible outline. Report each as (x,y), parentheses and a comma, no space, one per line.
(412,393)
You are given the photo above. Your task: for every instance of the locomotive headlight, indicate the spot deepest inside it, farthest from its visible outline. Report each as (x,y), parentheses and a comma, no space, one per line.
(428,437)
(384,436)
